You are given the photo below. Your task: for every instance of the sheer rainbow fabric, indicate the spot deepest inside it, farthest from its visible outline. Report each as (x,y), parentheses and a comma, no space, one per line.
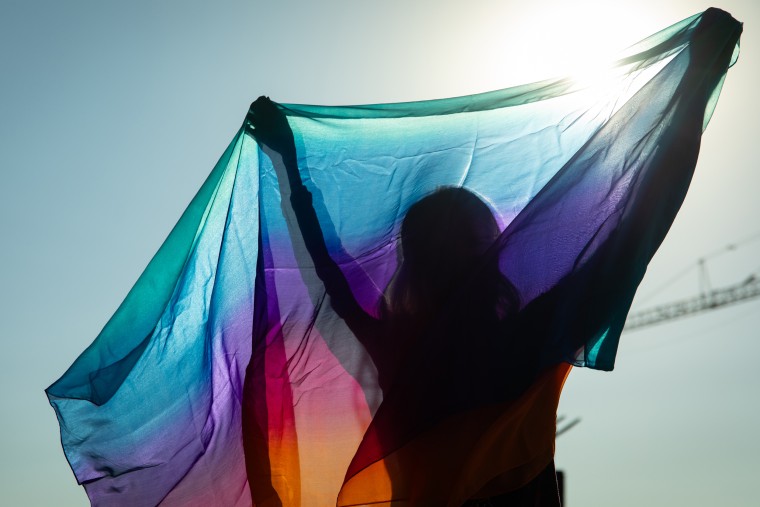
(233,374)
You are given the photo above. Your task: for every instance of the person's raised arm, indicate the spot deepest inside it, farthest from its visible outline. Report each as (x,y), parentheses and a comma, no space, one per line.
(660,194)
(602,288)
(272,131)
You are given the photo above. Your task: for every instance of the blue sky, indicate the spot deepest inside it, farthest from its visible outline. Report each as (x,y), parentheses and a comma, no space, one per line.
(113,113)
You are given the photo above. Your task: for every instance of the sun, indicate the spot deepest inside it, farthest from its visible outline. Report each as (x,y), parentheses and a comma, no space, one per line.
(578,39)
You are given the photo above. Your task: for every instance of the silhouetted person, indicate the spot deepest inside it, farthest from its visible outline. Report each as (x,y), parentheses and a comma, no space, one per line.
(448,288)
(450,320)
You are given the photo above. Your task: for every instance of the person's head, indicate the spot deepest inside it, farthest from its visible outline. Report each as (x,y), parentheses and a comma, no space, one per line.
(445,242)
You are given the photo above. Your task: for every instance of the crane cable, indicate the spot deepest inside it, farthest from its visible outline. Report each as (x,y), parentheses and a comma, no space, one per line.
(700,263)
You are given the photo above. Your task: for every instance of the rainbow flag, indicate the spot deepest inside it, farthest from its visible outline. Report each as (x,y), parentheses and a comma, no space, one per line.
(303,336)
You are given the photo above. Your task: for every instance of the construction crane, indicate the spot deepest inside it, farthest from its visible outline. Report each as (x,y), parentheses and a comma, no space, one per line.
(708,299)
(711,300)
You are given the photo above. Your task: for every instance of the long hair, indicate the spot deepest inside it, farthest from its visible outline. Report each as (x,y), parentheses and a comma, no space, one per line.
(445,253)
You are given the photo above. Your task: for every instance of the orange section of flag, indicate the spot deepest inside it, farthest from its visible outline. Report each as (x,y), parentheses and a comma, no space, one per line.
(480,453)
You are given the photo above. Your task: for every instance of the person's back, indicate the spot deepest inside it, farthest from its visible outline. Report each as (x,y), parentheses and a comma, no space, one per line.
(447,317)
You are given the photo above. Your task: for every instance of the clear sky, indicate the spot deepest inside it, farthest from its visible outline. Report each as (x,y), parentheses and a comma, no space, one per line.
(112,114)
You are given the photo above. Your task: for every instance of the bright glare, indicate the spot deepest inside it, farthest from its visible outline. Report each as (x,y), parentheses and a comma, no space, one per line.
(601,77)
(578,39)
